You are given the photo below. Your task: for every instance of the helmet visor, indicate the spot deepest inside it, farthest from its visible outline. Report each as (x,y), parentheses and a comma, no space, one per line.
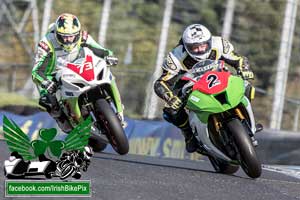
(68,39)
(198,48)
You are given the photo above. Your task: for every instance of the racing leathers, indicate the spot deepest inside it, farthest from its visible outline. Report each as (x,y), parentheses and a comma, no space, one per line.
(179,61)
(49,54)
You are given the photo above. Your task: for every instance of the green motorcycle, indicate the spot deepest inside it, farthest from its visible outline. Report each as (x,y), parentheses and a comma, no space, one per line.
(221,117)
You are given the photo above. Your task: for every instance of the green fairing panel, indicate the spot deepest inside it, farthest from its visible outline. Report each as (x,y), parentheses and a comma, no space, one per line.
(245,101)
(116,96)
(206,104)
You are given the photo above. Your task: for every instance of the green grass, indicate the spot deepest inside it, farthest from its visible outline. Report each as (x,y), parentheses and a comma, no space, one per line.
(8,99)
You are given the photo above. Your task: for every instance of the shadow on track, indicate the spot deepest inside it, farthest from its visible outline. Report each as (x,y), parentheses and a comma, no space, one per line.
(174,163)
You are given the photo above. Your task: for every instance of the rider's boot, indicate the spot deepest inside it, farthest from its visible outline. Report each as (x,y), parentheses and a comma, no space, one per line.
(259,127)
(180,119)
(61,119)
(191,143)
(49,102)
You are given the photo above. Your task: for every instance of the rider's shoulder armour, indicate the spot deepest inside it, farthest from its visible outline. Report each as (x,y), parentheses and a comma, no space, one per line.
(46,42)
(221,46)
(174,60)
(51,28)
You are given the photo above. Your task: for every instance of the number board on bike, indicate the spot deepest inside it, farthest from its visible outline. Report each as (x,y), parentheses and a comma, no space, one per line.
(212,82)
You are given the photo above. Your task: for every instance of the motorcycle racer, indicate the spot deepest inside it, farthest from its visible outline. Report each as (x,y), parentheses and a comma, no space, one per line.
(196,43)
(63,41)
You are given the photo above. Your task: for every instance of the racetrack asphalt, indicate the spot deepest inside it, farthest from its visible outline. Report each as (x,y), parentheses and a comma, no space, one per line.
(130,177)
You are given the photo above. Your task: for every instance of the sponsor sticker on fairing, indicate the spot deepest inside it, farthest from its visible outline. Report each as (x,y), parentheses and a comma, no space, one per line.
(196,99)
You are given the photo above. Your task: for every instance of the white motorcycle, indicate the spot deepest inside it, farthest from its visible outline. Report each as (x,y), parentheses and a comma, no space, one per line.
(84,89)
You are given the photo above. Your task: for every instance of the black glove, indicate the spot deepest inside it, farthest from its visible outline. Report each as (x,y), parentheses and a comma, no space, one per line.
(111,60)
(175,103)
(50,86)
(247,74)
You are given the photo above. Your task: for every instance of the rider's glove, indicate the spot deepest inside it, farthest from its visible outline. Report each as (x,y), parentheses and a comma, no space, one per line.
(111,60)
(175,103)
(247,74)
(50,86)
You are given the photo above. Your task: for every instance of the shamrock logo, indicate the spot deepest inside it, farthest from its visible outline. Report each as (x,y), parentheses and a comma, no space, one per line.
(19,142)
(47,135)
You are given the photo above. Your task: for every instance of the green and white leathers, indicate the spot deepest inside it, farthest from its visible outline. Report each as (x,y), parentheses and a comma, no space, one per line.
(50,50)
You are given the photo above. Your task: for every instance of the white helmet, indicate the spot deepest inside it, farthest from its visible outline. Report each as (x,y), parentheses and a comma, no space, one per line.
(194,36)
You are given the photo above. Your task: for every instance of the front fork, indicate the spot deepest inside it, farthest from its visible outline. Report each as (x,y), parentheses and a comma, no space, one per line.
(246,124)
(75,111)
(71,107)
(243,119)
(116,96)
(251,127)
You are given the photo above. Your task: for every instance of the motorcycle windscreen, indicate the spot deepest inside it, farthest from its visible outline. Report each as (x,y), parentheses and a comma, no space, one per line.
(206,104)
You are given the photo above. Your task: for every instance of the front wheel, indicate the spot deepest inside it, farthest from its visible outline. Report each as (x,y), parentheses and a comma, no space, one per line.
(248,158)
(222,166)
(110,122)
(96,142)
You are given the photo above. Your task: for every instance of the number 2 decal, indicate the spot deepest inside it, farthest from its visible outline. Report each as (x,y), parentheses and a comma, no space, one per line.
(212,80)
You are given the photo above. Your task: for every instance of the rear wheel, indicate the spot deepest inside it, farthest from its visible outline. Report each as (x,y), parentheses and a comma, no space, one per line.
(248,158)
(222,166)
(97,143)
(110,122)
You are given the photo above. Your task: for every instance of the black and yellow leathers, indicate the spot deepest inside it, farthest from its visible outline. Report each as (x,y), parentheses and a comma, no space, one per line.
(178,61)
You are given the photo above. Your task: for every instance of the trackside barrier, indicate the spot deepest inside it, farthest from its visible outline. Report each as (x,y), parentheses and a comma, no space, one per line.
(161,139)
(279,147)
